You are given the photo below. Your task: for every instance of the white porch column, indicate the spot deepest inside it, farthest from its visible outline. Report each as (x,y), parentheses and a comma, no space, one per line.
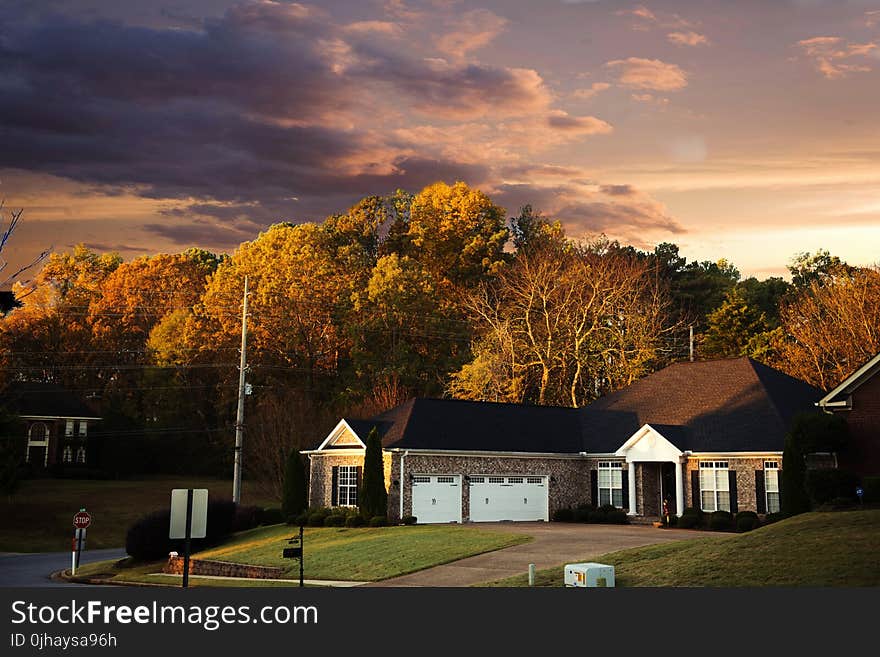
(679,489)
(632,488)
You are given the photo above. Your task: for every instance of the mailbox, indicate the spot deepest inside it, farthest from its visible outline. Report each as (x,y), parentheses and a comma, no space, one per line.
(292,553)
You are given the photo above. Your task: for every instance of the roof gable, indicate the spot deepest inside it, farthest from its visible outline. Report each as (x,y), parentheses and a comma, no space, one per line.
(650,444)
(840,395)
(342,435)
(45,400)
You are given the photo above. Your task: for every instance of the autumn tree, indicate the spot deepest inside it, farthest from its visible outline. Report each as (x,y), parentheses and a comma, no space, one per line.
(832,326)
(561,326)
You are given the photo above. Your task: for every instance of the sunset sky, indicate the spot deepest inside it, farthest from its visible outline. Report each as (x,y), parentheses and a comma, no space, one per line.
(748,130)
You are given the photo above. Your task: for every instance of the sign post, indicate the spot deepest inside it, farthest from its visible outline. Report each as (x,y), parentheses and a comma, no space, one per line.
(81,521)
(296,552)
(860,492)
(189,520)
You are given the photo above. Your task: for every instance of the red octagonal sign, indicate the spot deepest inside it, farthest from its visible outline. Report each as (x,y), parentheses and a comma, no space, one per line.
(82,519)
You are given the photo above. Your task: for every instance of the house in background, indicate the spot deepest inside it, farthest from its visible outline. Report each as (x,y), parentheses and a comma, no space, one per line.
(707,434)
(56,424)
(857,399)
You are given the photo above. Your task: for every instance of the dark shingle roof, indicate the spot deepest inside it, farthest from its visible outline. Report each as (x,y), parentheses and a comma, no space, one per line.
(44,399)
(734,405)
(451,424)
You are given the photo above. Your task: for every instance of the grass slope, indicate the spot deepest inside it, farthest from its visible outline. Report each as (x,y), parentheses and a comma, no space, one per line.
(813,549)
(40,517)
(362,554)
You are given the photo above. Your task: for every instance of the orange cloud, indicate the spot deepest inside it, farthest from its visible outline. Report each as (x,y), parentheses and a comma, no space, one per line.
(580,125)
(638,73)
(687,39)
(872,18)
(594,89)
(828,51)
(472,31)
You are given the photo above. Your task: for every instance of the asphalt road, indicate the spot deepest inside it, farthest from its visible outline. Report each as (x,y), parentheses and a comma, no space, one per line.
(35,569)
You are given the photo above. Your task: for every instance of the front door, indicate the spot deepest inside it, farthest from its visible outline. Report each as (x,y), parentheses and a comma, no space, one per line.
(667,487)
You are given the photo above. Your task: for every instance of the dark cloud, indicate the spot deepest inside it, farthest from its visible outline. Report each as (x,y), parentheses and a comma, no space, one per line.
(617,190)
(627,219)
(103,247)
(199,233)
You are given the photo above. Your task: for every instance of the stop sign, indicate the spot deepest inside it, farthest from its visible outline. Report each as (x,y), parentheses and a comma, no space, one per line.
(82,519)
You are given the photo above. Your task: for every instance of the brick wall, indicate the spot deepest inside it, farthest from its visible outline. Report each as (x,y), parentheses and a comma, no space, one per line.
(746,490)
(321,475)
(221,568)
(863,456)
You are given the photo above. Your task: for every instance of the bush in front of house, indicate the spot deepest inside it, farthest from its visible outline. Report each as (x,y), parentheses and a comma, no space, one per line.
(272,516)
(409,520)
(300,520)
(355,521)
(294,495)
(826,485)
(721,521)
(839,504)
(770,518)
(317,518)
(563,515)
(379,521)
(616,517)
(691,518)
(746,521)
(582,512)
(334,520)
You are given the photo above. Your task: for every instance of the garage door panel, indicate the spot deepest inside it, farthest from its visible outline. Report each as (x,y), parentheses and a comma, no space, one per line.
(436,498)
(516,498)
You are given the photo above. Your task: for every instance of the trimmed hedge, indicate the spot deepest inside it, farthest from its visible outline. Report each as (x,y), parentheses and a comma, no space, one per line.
(409,520)
(379,521)
(563,515)
(746,521)
(721,521)
(355,521)
(317,518)
(770,518)
(335,520)
(691,518)
(147,538)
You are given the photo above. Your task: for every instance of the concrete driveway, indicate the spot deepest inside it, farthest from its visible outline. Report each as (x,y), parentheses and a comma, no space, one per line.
(552,544)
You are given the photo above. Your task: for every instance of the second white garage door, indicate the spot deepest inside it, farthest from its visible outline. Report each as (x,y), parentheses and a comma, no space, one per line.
(436,498)
(508,498)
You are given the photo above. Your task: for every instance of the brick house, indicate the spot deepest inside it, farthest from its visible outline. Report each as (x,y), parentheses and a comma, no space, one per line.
(708,434)
(857,398)
(56,424)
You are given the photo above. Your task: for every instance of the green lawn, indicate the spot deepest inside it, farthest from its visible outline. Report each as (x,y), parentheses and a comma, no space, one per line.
(331,553)
(362,554)
(813,549)
(39,519)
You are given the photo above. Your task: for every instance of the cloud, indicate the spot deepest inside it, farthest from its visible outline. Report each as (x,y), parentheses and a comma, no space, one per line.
(827,53)
(595,88)
(687,39)
(376,28)
(649,98)
(638,73)
(472,30)
(872,18)
(581,125)
(617,190)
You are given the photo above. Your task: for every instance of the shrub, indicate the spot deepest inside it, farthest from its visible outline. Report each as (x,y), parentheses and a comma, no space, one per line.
(616,517)
(563,515)
(871,488)
(746,521)
(335,520)
(354,521)
(301,520)
(248,517)
(272,516)
(721,521)
(379,521)
(147,539)
(409,520)
(825,485)
(691,518)
(221,520)
(770,518)
(294,496)
(838,504)
(372,497)
(582,512)
(317,518)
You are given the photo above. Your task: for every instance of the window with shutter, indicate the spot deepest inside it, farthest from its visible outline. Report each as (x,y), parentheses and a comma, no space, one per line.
(714,486)
(347,485)
(771,485)
(610,483)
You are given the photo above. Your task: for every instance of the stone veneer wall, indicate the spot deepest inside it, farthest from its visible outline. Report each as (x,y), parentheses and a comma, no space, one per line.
(321,474)
(222,568)
(746,491)
(570,488)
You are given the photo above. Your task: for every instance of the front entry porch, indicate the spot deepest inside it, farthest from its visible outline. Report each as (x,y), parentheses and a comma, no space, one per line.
(655,473)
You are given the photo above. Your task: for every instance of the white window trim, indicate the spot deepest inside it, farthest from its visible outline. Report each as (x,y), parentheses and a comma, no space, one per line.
(81,452)
(67,454)
(771,466)
(611,467)
(351,471)
(715,467)
(83,429)
(68,428)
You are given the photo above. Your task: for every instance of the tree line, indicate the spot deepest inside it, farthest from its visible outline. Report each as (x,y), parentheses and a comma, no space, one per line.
(437,293)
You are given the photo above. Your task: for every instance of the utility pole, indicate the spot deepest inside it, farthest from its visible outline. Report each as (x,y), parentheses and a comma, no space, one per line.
(239,417)
(691,342)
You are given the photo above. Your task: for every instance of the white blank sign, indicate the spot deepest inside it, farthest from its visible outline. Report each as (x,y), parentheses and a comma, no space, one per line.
(178,513)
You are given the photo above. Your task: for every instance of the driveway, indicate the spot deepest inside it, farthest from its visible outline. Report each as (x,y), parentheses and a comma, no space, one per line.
(552,544)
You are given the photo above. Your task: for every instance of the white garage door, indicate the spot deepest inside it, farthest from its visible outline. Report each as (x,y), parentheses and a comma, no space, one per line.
(508,498)
(436,498)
